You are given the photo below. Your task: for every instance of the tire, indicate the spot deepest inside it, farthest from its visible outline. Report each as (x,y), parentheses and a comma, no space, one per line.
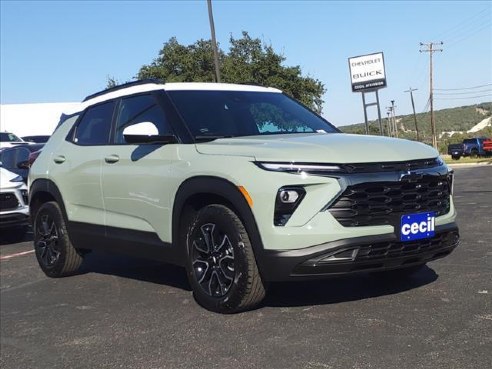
(474,154)
(399,273)
(455,157)
(220,263)
(56,255)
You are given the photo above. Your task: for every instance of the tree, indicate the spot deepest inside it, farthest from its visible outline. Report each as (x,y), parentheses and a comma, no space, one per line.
(249,60)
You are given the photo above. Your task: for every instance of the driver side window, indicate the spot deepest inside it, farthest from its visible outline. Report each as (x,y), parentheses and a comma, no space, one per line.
(140,109)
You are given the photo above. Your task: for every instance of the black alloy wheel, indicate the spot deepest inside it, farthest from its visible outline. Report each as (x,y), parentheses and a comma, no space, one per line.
(213,260)
(56,255)
(47,240)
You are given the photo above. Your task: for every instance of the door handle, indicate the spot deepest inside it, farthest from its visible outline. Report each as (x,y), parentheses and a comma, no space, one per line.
(112,159)
(59,159)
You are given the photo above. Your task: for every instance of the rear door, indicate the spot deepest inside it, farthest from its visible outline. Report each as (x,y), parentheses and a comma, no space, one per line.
(76,165)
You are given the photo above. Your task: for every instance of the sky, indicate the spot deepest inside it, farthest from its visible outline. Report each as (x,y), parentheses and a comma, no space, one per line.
(62,51)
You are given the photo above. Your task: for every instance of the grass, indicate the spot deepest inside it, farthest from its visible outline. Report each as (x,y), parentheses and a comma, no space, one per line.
(467,160)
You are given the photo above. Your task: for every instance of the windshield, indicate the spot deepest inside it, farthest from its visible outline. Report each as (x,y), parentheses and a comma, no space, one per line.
(215,114)
(9,137)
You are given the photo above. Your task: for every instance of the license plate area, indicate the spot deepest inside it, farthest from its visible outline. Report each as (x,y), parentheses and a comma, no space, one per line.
(417,226)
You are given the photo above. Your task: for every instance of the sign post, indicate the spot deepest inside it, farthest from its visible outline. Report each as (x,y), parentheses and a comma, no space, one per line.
(367,74)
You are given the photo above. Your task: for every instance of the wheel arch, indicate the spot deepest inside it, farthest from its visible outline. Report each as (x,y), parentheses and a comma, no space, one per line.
(44,190)
(196,192)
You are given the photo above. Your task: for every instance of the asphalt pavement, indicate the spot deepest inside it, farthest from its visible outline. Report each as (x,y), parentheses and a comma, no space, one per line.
(128,313)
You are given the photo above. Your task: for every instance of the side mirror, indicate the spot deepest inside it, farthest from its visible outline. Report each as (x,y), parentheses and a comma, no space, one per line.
(145,133)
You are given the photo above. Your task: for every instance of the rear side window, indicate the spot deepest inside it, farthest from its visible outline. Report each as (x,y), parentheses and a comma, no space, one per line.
(140,109)
(95,125)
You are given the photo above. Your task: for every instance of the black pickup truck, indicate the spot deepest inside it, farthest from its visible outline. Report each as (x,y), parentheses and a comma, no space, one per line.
(473,147)
(455,150)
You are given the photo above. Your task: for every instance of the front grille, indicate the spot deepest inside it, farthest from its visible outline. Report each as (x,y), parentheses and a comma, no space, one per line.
(8,201)
(392,166)
(381,203)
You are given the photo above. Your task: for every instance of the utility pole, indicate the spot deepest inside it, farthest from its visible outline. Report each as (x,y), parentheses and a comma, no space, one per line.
(391,129)
(394,117)
(214,41)
(429,48)
(388,127)
(413,107)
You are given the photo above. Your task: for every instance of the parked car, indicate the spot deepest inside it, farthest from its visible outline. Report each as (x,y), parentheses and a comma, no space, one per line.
(14,207)
(455,150)
(473,147)
(36,139)
(8,139)
(17,158)
(187,173)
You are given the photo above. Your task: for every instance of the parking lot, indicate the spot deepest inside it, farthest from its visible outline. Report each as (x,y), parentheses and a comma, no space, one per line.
(126,313)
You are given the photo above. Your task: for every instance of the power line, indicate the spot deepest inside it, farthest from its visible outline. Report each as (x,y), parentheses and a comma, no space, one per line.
(456,41)
(462,88)
(462,98)
(464,24)
(462,93)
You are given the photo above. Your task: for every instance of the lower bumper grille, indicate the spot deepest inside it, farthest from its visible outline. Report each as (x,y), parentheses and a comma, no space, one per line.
(380,255)
(8,201)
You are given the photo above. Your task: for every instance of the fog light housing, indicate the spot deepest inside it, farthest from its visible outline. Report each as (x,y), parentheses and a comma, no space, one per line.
(286,202)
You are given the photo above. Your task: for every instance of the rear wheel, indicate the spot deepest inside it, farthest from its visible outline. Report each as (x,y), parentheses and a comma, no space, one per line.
(56,255)
(221,266)
(474,153)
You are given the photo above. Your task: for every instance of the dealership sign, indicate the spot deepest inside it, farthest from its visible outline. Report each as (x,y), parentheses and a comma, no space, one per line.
(367,72)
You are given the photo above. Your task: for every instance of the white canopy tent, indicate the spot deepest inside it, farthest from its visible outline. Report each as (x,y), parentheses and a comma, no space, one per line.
(32,119)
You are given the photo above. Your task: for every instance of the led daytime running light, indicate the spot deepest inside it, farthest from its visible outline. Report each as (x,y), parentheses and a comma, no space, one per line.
(291,167)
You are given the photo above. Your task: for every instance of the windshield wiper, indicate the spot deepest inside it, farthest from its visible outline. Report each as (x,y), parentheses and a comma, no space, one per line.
(206,138)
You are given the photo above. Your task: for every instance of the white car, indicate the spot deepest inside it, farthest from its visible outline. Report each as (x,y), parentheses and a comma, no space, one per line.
(8,139)
(14,208)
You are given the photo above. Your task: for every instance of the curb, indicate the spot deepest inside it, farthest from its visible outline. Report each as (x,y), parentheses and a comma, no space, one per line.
(467,164)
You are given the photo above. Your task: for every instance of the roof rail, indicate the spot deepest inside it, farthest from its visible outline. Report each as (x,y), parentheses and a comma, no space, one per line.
(124,85)
(252,83)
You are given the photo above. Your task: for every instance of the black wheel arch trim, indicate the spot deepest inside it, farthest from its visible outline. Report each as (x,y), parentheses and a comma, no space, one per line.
(228,191)
(43,185)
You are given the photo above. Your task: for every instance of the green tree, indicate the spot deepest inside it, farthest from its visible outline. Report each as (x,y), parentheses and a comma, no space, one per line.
(248,60)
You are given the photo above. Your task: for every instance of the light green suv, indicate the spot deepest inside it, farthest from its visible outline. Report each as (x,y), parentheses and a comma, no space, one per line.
(241,185)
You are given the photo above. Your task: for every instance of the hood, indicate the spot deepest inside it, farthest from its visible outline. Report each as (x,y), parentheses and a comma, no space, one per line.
(5,179)
(320,148)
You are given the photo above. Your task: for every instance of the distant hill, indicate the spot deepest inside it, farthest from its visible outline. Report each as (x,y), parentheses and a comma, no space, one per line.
(452,125)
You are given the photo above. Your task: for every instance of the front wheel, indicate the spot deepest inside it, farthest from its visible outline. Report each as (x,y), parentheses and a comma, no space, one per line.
(455,157)
(56,255)
(221,266)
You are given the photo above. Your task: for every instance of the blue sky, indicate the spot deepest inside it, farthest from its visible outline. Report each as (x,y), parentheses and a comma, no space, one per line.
(61,51)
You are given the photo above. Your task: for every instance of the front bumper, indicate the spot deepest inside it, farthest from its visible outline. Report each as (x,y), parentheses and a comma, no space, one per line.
(13,220)
(360,254)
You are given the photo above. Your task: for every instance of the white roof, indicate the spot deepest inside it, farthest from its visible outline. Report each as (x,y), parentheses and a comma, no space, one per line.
(178,86)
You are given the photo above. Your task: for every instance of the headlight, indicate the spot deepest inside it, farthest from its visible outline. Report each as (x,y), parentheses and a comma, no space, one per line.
(300,167)
(17,179)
